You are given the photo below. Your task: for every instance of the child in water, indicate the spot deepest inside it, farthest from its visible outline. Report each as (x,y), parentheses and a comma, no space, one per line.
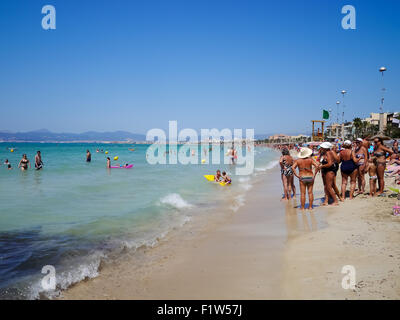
(226,178)
(372,176)
(108,162)
(8,164)
(217,177)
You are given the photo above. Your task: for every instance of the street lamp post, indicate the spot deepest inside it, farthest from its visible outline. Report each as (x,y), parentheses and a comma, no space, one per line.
(343,93)
(381,127)
(330,118)
(337,119)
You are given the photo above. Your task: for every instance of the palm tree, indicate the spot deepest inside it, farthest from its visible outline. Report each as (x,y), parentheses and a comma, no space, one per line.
(358,123)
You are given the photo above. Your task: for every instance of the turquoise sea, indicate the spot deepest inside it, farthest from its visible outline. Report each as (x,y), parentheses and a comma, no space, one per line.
(73,214)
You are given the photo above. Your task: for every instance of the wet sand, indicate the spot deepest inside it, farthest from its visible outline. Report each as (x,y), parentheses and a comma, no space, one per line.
(268,249)
(235,255)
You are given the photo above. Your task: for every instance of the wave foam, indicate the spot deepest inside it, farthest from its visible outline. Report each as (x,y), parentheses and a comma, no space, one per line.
(238,202)
(176,201)
(269,166)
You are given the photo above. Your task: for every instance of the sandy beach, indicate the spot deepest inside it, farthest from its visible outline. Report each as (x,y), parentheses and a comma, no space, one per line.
(268,249)
(363,233)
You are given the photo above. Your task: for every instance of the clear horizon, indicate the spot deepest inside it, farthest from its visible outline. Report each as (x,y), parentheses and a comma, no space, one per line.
(132,66)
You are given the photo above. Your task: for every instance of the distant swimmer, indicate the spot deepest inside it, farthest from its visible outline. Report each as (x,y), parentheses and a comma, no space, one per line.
(108,162)
(8,164)
(38,161)
(225,178)
(88,156)
(233,154)
(218,176)
(23,164)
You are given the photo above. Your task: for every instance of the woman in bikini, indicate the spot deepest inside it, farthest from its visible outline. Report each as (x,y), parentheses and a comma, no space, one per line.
(328,171)
(394,158)
(348,168)
(380,151)
(336,161)
(23,164)
(286,162)
(362,156)
(306,176)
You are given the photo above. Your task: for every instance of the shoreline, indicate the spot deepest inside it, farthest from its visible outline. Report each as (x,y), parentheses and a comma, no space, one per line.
(268,249)
(221,258)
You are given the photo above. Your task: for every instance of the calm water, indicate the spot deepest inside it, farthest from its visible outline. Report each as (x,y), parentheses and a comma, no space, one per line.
(73,214)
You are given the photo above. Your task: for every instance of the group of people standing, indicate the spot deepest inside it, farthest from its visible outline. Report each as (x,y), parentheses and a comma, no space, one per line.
(354,160)
(24,163)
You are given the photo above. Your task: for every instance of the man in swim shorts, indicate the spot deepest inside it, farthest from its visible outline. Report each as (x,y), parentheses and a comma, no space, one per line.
(38,161)
(88,156)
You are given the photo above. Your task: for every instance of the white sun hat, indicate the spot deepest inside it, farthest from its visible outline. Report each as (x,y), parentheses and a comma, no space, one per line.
(326,145)
(305,153)
(347,142)
(359,139)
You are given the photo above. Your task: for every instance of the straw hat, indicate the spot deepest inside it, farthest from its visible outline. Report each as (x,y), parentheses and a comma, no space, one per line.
(382,136)
(326,145)
(305,153)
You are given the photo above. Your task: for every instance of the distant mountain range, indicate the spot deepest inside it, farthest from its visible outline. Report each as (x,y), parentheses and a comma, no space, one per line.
(48,136)
(45,135)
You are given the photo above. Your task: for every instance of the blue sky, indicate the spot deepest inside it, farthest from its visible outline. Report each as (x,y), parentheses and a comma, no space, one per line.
(134,65)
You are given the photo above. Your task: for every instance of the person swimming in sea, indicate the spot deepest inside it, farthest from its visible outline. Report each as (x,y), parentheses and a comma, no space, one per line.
(8,164)
(38,161)
(88,156)
(108,162)
(23,164)
(225,178)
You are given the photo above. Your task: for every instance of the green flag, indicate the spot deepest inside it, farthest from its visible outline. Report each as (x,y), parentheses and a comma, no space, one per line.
(325,115)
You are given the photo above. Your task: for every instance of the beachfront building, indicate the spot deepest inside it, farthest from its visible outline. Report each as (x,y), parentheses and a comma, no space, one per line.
(284,138)
(279,138)
(334,131)
(373,119)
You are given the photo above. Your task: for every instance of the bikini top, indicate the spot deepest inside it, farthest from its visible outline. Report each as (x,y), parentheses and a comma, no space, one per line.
(379,154)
